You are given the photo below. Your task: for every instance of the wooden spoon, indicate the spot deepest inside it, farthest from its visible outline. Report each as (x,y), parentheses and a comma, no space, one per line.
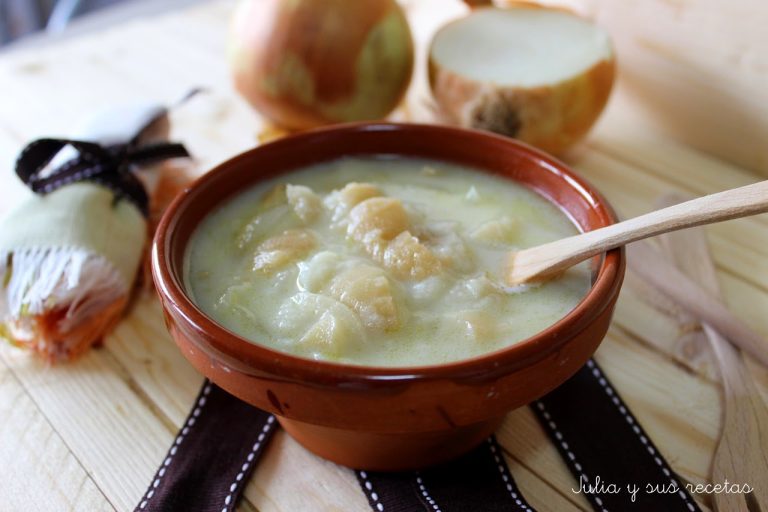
(738,458)
(545,260)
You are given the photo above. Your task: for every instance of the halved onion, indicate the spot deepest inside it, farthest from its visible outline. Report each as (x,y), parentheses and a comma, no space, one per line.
(304,63)
(537,74)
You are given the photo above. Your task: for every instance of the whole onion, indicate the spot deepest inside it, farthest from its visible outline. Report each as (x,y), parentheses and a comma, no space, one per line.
(304,63)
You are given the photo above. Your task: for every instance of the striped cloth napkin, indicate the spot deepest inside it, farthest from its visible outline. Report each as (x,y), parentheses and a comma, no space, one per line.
(616,465)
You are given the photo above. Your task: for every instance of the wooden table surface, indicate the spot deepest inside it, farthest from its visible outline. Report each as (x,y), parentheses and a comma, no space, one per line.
(89,435)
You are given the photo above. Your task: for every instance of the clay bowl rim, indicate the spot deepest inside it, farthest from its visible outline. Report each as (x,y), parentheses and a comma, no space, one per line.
(169,280)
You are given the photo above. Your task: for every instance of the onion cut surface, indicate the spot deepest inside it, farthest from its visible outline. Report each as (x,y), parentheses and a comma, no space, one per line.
(541,75)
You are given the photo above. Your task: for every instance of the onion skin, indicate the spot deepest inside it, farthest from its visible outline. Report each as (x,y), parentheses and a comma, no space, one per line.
(305,63)
(550,117)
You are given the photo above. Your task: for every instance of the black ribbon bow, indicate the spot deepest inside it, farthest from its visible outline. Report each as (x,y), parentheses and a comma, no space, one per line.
(111,166)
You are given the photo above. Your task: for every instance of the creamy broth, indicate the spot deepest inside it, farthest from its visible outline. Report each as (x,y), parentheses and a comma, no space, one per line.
(379,261)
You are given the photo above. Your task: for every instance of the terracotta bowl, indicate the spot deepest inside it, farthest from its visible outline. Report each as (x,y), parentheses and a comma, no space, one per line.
(387,418)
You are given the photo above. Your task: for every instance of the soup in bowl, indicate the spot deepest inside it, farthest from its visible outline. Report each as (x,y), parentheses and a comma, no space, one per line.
(349,280)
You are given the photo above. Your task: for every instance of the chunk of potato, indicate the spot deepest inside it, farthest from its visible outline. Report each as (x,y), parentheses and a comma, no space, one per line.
(355,193)
(476,325)
(317,272)
(272,211)
(448,245)
(428,290)
(280,250)
(264,223)
(377,218)
(305,203)
(367,291)
(324,335)
(408,258)
(321,323)
(481,286)
(276,211)
(341,201)
(501,231)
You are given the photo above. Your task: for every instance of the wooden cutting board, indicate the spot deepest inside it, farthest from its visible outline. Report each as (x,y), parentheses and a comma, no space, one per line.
(89,435)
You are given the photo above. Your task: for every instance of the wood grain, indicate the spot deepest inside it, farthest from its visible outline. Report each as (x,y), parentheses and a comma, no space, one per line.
(692,70)
(698,70)
(676,285)
(745,415)
(91,406)
(46,475)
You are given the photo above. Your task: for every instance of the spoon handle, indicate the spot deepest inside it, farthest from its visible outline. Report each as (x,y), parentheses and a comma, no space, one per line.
(556,256)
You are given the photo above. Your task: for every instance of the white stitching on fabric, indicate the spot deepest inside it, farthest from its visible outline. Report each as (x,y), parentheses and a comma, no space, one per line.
(78,176)
(268,425)
(623,410)
(568,451)
(426,495)
(67,165)
(369,489)
(179,439)
(504,477)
